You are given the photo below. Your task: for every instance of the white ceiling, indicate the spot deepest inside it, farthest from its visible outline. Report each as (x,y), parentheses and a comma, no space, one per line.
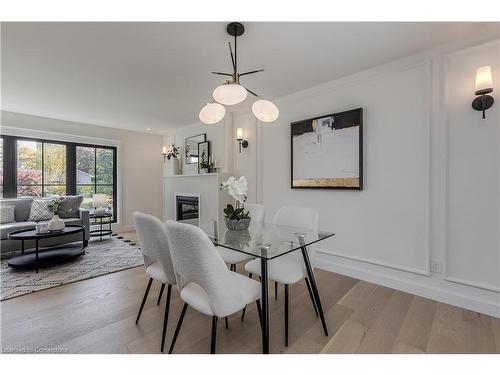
(157,75)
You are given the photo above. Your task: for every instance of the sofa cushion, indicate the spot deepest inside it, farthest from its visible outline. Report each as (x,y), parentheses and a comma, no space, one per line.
(69,206)
(40,210)
(22,207)
(72,220)
(6,214)
(5,229)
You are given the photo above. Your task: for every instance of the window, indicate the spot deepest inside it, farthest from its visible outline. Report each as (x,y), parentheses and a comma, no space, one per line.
(95,173)
(35,167)
(41,168)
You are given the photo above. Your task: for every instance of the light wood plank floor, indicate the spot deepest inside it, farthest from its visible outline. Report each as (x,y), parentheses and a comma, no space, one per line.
(98,316)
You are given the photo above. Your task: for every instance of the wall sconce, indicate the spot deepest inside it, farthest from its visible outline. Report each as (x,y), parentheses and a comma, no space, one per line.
(164,152)
(239,137)
(484,85)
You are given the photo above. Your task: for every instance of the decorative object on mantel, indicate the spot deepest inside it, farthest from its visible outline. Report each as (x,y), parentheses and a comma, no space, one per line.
(212,164)
(484,85)
(235,217)
(232,92)
(327,151)
(100,203)
(55,224)
(241,141)
(191,148)
(203,157)
(172,156)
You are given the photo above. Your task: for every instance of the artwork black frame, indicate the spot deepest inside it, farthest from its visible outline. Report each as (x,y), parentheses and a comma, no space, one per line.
(186,146)
(208,152)
(360,154)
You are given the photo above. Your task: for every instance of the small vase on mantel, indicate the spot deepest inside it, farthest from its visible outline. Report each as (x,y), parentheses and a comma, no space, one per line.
(173,167)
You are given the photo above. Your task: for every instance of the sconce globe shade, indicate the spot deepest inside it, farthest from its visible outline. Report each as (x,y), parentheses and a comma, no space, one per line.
(265,110)
(164,150)
(212,113)
(484,81)
(100,200)
(230,93)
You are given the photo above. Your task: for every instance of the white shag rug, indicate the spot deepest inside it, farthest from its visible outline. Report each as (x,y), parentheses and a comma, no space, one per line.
(100,258)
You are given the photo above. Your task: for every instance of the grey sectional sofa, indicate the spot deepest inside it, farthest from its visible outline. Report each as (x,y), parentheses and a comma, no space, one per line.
(22,208)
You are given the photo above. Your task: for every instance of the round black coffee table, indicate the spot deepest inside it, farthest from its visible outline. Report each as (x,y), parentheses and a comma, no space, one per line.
(104,218)
(52,255)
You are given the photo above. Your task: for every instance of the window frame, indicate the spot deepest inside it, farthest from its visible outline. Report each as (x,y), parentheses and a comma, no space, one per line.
(43,184)
(10,167)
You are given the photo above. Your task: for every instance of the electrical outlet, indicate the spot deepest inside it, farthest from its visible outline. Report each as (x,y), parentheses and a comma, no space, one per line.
(436,266)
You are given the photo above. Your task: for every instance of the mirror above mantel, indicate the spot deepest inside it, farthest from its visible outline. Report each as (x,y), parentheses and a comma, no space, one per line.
(191,148)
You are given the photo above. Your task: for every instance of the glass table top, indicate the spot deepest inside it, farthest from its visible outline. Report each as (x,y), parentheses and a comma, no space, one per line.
(262,240)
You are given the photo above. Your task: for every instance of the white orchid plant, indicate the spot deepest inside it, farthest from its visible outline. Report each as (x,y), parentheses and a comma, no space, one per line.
(237,188)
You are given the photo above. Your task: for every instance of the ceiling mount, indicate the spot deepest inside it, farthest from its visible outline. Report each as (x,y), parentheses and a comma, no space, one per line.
(232,92)
(235,29)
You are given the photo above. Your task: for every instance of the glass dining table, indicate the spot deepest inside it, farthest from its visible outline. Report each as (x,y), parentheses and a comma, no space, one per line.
(267,242)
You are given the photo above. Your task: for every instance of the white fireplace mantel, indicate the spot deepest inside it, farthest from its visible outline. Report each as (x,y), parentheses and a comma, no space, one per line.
(206,186)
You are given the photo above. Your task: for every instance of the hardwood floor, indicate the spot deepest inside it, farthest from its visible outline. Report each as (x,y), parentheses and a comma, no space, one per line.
(98,316)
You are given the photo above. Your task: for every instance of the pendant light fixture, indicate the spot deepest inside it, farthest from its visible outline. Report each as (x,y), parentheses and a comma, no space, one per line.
(232,92)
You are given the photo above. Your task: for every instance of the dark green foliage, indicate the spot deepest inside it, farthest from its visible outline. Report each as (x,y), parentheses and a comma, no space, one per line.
(236,214)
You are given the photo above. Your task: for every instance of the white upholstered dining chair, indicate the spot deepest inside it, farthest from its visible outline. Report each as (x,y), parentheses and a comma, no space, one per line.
(204,281)
(152,238)
(290,268)
(257,213)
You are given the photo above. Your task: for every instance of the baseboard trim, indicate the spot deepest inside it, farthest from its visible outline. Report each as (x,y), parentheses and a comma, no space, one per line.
(425,272)
(327,263)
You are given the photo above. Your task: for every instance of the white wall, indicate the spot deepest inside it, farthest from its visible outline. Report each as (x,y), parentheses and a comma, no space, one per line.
(217,134)
(139,158)
(431,176)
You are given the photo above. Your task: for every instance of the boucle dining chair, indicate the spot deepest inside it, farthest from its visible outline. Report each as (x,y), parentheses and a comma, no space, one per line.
(204,281)
(290,268)
(257,213)
(152,238)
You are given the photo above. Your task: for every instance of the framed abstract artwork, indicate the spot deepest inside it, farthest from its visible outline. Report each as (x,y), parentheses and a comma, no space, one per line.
(327,151)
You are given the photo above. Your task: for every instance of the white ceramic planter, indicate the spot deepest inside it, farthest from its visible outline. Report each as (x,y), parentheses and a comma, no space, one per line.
(56,223)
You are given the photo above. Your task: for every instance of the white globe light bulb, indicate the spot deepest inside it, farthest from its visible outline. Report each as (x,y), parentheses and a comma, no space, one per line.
(212,113)
(265,110)
(230,93)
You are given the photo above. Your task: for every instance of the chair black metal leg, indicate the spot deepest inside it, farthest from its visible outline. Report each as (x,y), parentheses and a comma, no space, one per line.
(243,313)
(286,314)
(165,319)
(161,292)
(245,308)
(178,328)
(309,290)
(227,322)
(310,276)
(214,334)
(276,290)
(259,311)
(144,300)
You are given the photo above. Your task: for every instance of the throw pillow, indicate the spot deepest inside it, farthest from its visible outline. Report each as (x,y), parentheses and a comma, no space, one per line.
(40,210)
(69,206)
(6,214)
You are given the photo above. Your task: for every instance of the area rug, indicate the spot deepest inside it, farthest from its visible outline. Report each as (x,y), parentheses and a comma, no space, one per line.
(100,258)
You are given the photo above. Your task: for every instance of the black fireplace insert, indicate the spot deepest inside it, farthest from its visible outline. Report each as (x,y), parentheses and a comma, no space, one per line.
(187,207)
